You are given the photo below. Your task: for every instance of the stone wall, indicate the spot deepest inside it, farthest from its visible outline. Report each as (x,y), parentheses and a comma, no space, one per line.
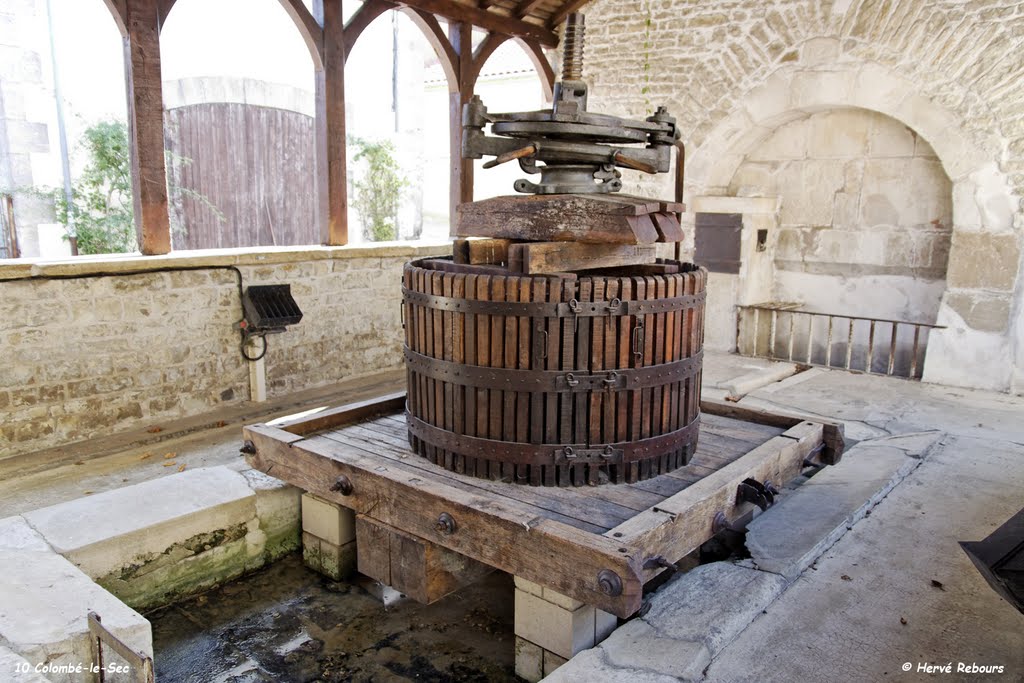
(864,225)
(93,347)
(734,72)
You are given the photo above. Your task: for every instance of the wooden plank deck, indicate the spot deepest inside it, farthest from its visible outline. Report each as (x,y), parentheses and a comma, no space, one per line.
(571,539)
(596,509)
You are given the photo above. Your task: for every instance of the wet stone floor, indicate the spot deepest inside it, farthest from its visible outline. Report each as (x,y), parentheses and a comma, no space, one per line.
(288,624)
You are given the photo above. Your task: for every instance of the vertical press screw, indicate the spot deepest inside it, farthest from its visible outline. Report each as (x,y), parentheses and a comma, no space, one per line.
(572,48)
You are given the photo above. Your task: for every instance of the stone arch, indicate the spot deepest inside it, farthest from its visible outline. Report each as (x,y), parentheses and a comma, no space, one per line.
(982,344)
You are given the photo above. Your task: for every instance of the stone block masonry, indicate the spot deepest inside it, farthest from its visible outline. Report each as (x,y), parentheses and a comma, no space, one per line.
(94,347)
(733,74)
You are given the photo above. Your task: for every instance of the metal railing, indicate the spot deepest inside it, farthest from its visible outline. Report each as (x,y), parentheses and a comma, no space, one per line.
(138,666)
(780,331)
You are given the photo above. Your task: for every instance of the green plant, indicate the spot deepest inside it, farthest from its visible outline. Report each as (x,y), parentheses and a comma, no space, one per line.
(100,218)
(100,215)
(377,188)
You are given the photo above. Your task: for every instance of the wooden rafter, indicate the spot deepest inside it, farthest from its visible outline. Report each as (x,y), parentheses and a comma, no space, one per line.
(309,28)
(564,11)
(459,13)
(483,51)
(164,8)
(363,17)
(119,11)
(435,35)
(526,7)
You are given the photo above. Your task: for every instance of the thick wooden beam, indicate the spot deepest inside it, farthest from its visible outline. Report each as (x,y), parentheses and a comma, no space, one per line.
(331,172)
(558,218)
(461,185)
(678,525)
(535,258)
(146,125)
(414,566)
(501,533)
(456,12)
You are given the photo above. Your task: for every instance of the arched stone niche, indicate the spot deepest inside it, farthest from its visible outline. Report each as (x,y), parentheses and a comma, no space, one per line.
(981,307)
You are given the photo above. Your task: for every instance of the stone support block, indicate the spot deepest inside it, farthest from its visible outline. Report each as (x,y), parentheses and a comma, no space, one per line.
(337,562)
(559,624)
(332,523)
(529,660)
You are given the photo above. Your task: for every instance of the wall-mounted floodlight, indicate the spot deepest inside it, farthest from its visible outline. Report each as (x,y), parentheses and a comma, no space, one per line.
(268,309)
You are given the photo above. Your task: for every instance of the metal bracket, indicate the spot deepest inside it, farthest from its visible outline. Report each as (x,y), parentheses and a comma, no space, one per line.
(753,491)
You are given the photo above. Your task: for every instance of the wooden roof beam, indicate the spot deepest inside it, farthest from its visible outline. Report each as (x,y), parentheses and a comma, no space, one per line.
(527,7)
(459,13)
(564,11)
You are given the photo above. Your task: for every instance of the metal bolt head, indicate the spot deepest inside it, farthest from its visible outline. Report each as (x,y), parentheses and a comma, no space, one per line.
(342,485)
(720,523)
(446,524)
(609,582)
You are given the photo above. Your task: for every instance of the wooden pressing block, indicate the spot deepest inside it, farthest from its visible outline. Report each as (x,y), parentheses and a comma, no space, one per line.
(481,251)
(555,257)
(424,571)
(594,219)
(668,227)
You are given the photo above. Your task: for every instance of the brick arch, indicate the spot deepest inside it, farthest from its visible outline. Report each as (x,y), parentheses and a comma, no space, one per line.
(968,352)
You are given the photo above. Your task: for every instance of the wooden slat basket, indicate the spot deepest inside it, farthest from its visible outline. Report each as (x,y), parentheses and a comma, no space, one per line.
(554,380)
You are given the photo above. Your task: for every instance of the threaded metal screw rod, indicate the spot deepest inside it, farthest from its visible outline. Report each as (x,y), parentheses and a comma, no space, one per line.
(572,48)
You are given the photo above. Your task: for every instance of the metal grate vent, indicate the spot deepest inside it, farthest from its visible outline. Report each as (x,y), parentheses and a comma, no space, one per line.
(270,306)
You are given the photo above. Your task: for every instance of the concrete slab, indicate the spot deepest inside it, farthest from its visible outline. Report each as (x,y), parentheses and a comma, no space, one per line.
(872,607)
(44,600)
(16,534)
(790,536)
(17,669)
(694,606)
(591,666)
(114,529)
(639,646)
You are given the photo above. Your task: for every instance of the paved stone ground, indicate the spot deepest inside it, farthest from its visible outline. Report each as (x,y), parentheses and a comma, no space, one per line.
(874,583)
(844,619)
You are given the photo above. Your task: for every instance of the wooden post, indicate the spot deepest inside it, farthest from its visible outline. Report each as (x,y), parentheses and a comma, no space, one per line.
(461,190)
(146,125)
(331,172)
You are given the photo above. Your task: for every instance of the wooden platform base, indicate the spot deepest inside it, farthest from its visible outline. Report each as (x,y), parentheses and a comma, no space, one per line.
(594,544)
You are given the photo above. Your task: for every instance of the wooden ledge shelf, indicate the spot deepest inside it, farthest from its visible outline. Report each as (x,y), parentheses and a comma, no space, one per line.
(588,543)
